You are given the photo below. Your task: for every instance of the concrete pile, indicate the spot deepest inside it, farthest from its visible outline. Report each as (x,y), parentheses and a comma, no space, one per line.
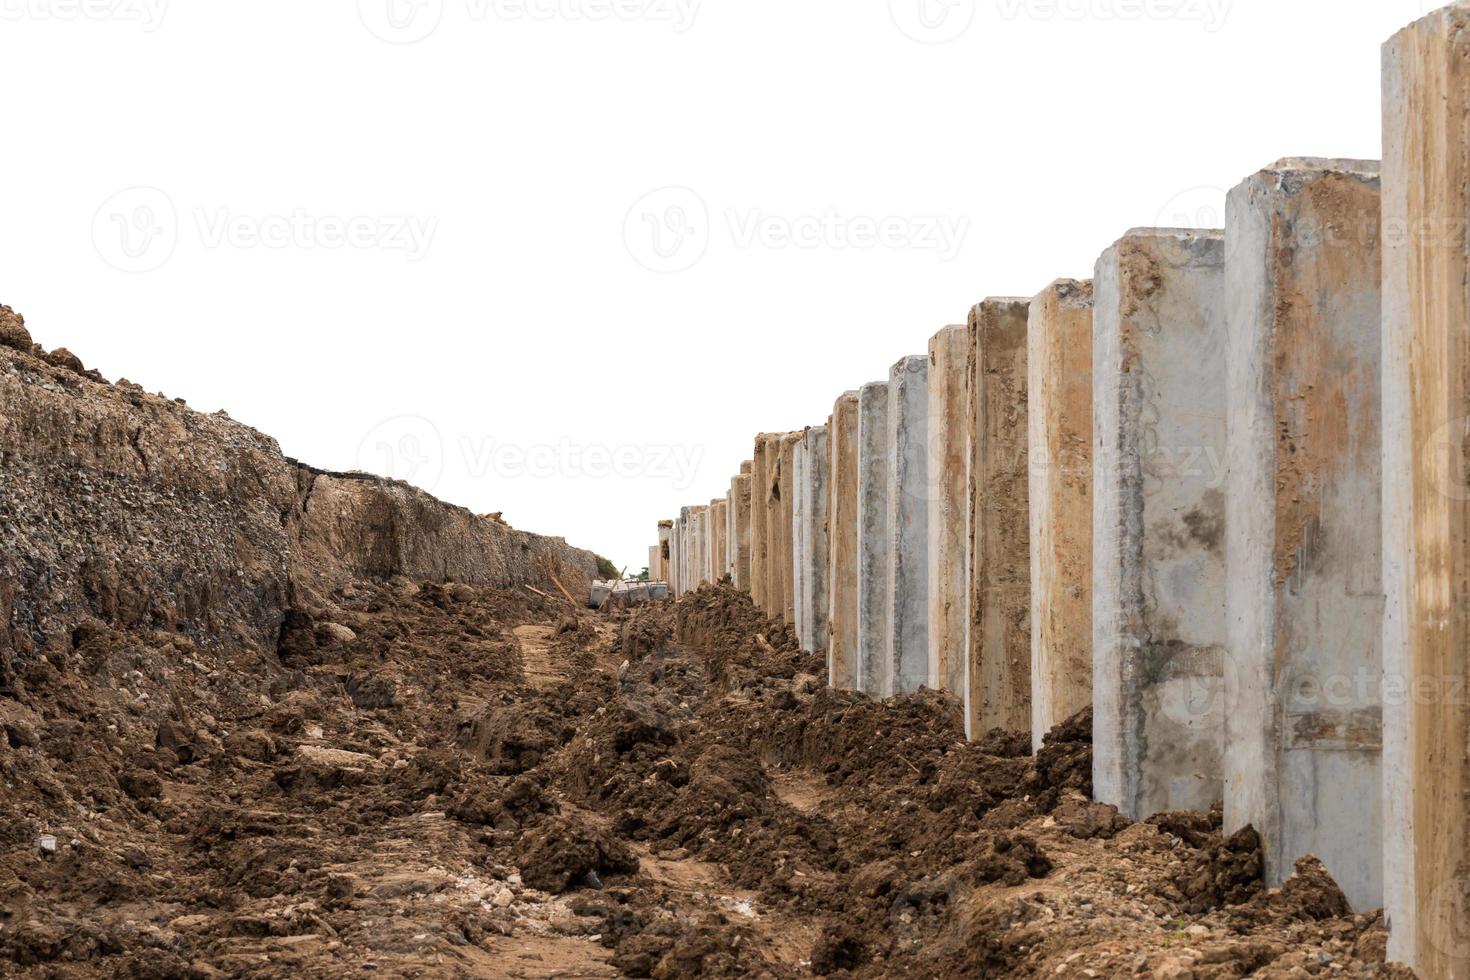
(1216,493)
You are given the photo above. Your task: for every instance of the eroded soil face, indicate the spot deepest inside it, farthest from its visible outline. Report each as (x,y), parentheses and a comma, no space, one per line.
(449,781)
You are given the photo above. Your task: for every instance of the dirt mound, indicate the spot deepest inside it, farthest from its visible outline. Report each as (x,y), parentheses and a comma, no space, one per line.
(442,780)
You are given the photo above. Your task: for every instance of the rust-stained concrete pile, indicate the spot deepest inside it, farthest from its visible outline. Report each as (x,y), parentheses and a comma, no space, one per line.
(1235,462)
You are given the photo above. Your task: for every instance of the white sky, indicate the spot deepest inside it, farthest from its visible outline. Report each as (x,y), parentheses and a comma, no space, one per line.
(496,320)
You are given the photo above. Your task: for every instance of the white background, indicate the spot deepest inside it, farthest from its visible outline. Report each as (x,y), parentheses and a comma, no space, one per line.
(502,327)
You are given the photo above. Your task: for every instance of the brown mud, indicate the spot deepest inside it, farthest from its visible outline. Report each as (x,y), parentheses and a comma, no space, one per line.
(457,781)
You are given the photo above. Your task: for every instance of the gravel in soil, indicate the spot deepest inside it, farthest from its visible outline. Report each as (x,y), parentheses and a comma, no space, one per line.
(440,780)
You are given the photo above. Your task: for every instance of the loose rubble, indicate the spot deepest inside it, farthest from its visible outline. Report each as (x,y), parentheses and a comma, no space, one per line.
(457,781)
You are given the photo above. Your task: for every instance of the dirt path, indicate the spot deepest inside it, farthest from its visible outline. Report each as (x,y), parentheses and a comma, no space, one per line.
(439,781)
(535,645)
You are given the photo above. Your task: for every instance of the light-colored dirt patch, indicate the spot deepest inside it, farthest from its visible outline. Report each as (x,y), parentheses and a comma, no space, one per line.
(540,958)
(803,790)
(535,643)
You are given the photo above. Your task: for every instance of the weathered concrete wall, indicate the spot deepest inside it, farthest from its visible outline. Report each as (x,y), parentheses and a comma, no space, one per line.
(842,523)
(998,677)
(665,536)
(875,611)
(760,525)
(1303,528)
(949,441)
(910,490)
(1426,567)
(726,514)
(778,530)
(688,552)
(1059,431)
(732,532)
(685,559)
(811,490)
(719,509)
(1158,546)
(783,488)
(676,535)
(740,520)
(690,560)
(699,518)
(800,542)
(701,546)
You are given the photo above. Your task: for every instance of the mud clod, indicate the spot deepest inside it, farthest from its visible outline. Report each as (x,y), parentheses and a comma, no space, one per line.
(455,779)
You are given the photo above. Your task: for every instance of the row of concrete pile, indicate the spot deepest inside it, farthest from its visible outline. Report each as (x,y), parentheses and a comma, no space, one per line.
(1219,493)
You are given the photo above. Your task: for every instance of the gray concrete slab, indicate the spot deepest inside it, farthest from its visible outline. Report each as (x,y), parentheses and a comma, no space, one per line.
(1304,532)
(910,490)
(1158,594)
(875,611)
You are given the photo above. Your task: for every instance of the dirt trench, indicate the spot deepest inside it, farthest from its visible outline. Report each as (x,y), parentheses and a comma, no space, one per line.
(446,781)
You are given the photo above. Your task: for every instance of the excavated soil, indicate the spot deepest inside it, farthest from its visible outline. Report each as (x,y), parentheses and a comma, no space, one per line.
(452,781)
